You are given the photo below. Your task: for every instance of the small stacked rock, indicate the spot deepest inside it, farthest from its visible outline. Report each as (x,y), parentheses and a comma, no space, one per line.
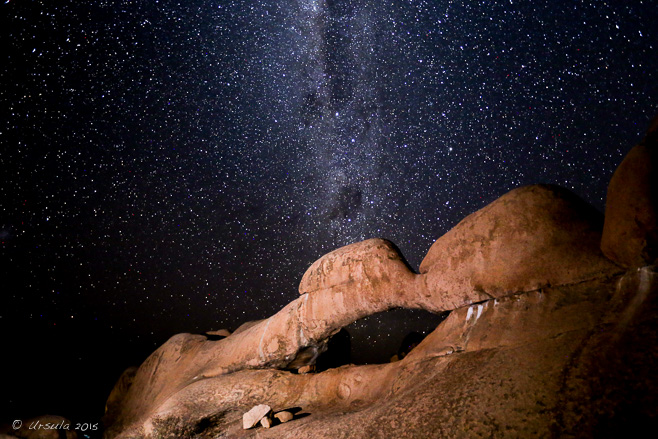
(266,422)
(255,415)
(284,416)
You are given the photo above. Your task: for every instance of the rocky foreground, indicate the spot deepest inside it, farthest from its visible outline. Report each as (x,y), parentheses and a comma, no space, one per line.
(552,333)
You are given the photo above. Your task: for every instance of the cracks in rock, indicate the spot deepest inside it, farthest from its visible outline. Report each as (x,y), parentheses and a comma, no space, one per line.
(543,289)
(481,291)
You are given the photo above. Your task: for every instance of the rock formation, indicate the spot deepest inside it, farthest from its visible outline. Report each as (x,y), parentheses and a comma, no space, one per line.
(118,394)
(562,361)
(546,337)
(630,235)
(283,416)
(532,237)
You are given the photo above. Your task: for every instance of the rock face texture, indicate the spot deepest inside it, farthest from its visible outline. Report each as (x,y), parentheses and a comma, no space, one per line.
(546,338)
(366,265)
(530,238)
(570,361)
(118,394)
(630,235)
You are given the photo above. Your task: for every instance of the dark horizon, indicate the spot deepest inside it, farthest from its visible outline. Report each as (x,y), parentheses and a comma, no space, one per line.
(174,168)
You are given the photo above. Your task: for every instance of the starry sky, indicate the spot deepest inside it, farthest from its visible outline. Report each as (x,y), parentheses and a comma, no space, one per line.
(175,166)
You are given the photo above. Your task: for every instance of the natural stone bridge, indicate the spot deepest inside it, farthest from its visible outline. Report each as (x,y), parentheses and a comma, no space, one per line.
(540,316)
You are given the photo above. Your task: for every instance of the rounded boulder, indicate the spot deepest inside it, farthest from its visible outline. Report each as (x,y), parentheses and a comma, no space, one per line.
(630,232)
(530,238)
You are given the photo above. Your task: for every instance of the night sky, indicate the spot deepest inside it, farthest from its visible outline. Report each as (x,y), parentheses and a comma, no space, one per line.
(175,166)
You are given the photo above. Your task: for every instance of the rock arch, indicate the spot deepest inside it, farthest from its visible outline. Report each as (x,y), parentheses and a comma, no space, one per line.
(530,238)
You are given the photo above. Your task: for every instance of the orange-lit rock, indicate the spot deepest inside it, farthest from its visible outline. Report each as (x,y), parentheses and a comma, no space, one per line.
(529,238)
(546,337)
(630,234)
(569,361)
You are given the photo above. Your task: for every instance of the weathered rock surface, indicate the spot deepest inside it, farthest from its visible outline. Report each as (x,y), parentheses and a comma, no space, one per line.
(300,328)
(529,238)
(364,265)
(570,361)
(117,395)
(630,234)
(538,315)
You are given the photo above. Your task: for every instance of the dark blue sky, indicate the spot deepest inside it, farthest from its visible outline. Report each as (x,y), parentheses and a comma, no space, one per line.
(176,166)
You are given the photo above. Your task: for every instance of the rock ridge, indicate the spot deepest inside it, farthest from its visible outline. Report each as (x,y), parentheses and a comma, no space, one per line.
(544,296)
(555,323)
